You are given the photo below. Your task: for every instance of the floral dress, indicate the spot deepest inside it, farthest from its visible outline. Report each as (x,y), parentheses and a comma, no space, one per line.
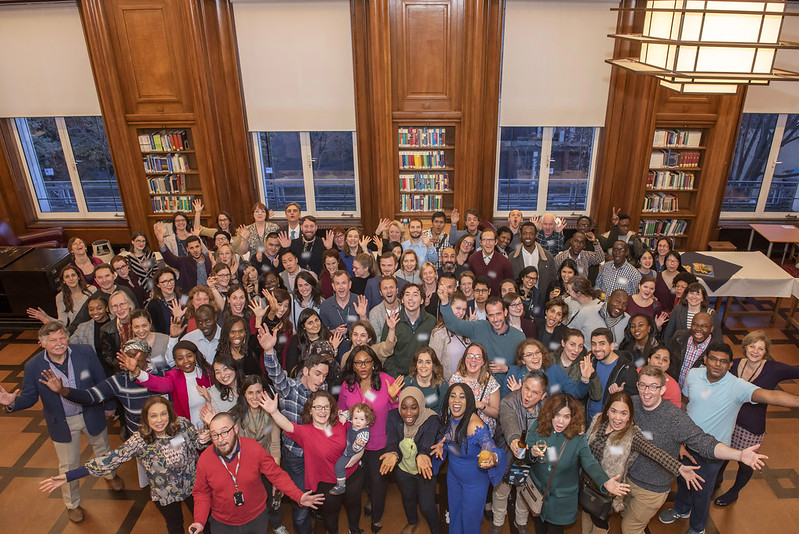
(481,393)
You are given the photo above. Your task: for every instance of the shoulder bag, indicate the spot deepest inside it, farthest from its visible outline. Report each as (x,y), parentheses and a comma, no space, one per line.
(593,500)
(530,493)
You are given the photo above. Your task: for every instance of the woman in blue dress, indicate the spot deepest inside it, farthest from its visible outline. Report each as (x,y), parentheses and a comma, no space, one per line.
(474,460)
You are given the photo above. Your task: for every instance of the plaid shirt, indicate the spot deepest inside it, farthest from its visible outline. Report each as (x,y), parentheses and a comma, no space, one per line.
(441,244)
(553,243)
(293,395)
(584,261)
(692,353)
(625,277)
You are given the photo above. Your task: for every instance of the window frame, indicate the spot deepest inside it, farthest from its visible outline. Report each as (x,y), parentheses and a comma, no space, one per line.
(760,212)
(24,146)
(308,178)
(543,173)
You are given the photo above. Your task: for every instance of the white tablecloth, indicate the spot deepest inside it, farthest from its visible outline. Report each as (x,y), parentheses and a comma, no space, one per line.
(758,277)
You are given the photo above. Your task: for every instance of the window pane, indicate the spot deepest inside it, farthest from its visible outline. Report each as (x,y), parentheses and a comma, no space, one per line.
(782,195)
(93,161)
(519,164)
(569,168)
(47,165)
(749,161)
(281,167)
(333,171)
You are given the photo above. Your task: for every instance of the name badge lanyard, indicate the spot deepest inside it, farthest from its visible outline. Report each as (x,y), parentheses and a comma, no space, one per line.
(236,473)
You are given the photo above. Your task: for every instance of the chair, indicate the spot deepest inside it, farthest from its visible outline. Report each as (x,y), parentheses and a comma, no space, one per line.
(47,237)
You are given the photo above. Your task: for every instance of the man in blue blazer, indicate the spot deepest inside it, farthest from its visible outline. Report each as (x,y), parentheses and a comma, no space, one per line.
(79,368)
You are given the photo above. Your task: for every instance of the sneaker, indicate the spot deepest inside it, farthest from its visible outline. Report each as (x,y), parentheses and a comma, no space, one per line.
(281,530)
(338,490)
(75,514)
(671,515)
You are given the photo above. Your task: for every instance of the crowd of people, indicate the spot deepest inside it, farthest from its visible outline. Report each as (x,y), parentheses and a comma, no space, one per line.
(254,367)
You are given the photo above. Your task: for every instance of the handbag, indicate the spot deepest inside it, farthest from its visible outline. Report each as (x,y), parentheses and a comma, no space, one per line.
(531,495)
(593,501)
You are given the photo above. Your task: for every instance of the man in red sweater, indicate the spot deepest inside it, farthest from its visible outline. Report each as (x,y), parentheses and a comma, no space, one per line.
(489,262)
(235,498)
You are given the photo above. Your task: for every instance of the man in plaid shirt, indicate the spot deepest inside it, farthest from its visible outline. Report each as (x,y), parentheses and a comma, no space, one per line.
(438,237)
(294,392)
(618,274)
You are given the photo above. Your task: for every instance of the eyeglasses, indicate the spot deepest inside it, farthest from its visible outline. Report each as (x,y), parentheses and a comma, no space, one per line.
(362,363)
(474,356)
(487,239)
(648,387)
(531,278)
(223,275)
(166,282)
(221,434)
(517,304)
(481,290)
(321,407)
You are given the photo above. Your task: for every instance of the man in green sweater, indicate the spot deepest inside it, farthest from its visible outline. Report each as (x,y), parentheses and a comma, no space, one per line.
(494,333)
(413,331)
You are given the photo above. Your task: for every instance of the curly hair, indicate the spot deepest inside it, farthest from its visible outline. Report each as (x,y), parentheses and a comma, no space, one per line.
(306,417)
(552,406)
(367,410)
(546,357)
(145,431)
(190,309)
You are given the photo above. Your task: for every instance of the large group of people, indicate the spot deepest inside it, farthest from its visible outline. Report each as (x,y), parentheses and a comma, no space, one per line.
(257,365)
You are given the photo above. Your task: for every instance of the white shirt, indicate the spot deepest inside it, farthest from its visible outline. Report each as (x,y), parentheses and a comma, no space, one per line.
(208,348)
(530,258)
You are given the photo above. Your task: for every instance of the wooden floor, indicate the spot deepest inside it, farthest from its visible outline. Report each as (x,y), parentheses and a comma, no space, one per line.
(769,504)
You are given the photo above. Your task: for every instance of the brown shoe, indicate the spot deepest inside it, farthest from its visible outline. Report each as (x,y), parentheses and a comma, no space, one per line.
(523,529)
(75,514)
(495,529)
(115,483)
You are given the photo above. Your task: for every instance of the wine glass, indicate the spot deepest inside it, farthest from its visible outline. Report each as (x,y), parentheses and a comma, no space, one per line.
(541,446)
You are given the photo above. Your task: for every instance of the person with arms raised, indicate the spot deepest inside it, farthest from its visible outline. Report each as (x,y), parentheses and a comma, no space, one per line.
(412,331)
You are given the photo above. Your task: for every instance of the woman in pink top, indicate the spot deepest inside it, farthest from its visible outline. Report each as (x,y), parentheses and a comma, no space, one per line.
(323,439)
(365,382)
(660,356)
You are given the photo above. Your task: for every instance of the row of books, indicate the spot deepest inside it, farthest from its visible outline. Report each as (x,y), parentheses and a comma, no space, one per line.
(172,204)
(164,141)
(170,183)
(662,226)
(423,181)
(670,180)
(422,159)
(677,138)
(170,163)
(673,159)
(660,203)
(422,136)
(421,202)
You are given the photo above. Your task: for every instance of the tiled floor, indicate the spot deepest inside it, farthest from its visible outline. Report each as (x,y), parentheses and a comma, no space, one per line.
(770,503)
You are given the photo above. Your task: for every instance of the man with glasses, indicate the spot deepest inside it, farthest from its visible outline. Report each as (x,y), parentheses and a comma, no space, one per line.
(481,290)
(488,262)
(123,279)
(668,427)
(532,254)
(715,396)
(233,500)
(293,393)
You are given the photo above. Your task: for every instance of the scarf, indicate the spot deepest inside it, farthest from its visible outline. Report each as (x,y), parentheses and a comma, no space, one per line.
(616,456)
(424,412)
(610,322)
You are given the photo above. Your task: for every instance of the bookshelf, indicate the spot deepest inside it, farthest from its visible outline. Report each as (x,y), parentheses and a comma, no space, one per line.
(169,162)
(425,168)
(673,181)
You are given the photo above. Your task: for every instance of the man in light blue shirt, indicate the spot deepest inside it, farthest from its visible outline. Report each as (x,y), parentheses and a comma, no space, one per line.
(421,245)
(206,336)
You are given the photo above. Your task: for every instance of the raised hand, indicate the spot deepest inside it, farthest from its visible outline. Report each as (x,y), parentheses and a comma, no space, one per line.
(388,462)
(159,231)
(267,403)
(615,487)
(271,300)
(361,305)
(614,219)
(426,241)
(38,314)
(560,224)
(271,215)
(394,389)
(748,456)
(203,391)
(52,381)
(661,319)
(586,369)
(175,327)
(283,237)
(177,310)
(7,398)
(382,226)
(336,338)
(243,232)
(364,242)
(258,309)
(590,236)
(207,411)
(536,220)
(455,216)
(424,465)
(311,500)
(198,206)
(128,363)
(266,338)
(613,388)
(327,241)
(49,484)
(692,478)
(513,384)
(378,241)
(443,295)
(392,319)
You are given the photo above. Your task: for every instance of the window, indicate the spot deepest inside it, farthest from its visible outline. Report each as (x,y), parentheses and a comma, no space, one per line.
(315,169)
(545,169)
(69,169)
(764,175)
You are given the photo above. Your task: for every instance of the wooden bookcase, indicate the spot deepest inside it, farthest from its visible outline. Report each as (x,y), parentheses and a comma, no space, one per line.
(673,181)
(425,168)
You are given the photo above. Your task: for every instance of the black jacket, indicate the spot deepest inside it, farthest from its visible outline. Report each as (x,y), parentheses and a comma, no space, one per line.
(624,372)
(425,437)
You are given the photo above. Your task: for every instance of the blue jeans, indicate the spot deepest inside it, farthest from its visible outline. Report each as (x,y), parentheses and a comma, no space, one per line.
(295,467)
(697,502)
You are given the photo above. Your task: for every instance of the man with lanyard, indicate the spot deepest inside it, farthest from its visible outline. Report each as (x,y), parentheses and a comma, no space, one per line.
(494,333)
(413,330)
(714,398)
(293,393)
(583,258)
(688,346)
(233,500)
(517,413)
(611,314)
(438,237)
(344,308)
(619,273)
(205,337)
(79,368)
